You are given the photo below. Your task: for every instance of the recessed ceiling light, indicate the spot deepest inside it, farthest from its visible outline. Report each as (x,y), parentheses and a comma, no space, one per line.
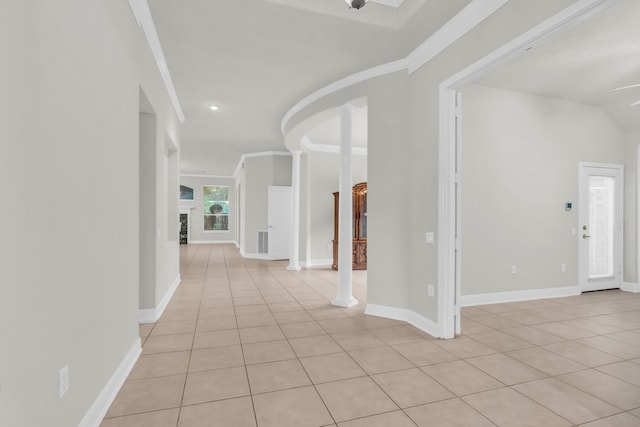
(214,107)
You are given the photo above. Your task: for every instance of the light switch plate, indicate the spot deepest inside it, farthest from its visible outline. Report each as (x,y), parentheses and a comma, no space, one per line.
(430,237)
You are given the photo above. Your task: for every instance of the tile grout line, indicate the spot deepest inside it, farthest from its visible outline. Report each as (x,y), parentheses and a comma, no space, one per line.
(244,360)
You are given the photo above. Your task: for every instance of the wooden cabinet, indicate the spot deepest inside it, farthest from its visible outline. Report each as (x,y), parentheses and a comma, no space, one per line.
(359,227)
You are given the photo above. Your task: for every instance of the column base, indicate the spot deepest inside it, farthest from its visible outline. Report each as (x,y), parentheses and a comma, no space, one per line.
(293,267)
(350,302)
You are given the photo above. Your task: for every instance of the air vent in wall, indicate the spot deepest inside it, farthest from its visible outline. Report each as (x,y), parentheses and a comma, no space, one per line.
(263,242)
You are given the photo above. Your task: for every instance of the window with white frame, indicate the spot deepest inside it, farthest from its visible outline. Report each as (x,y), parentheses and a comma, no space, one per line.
(216,208)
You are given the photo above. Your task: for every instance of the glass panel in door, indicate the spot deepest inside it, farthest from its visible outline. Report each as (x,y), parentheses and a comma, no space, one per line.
(601,226)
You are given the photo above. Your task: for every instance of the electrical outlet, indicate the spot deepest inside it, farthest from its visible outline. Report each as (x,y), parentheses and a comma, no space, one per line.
(430,237)
(63,377)
(431,290)
(563,267)
(514,269)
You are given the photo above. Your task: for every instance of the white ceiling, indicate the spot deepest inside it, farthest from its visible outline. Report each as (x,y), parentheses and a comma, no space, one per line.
(583,64)
(257,58)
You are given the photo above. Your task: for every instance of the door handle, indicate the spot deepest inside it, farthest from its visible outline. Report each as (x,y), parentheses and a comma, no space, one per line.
(585,236)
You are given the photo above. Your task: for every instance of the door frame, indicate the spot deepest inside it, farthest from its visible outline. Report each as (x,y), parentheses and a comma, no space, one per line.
(583,191)
(449,177)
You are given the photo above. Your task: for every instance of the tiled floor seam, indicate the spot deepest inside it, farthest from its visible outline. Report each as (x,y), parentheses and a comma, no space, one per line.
(246,372)
(184,388)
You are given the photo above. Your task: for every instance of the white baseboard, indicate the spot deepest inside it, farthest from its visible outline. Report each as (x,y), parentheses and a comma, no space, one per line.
(424,324)
(526,295)
(316,263)
(151,315)
(101,405)
(213,242)
(406,315)
(254,256)
(630,287)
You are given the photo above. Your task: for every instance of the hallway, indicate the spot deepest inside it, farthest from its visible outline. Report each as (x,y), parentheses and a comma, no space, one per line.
(245,343)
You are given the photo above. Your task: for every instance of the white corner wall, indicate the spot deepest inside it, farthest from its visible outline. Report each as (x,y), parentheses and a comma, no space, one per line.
(520,156)
(69,121)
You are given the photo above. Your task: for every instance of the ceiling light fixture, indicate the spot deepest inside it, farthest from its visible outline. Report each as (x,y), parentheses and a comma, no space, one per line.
(356,4)
(214,107)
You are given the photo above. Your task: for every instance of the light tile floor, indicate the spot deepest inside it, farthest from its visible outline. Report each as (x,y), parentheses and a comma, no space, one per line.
(247,343)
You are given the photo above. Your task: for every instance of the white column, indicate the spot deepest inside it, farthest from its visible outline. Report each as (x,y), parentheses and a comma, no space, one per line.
(345,227)
(295,212)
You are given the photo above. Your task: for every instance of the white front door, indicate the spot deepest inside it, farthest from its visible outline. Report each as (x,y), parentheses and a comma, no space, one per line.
(600,232)
(279,218)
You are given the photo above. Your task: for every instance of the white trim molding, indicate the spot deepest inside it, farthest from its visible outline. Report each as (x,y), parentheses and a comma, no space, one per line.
(142,14)
(380,70)
(240,164)
(254,256)
(403,314)
(469,17)
(100,406)
(524,295)
(151,315)
(630,287)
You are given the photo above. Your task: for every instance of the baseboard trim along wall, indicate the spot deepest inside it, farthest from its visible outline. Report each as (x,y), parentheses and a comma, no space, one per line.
(630,287)
(316,263)
(254,256)
(212,242)
(101,405)
(151,315)
(419,321)
(512,296)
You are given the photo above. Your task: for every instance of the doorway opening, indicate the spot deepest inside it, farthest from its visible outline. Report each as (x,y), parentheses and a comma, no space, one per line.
(600,234)
(450,173)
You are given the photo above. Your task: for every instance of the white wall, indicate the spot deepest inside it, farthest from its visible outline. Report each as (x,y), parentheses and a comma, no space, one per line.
(198,234)
(520,156)
(69,121)
(631,262)
(323,179)
(260,171)
(403,156)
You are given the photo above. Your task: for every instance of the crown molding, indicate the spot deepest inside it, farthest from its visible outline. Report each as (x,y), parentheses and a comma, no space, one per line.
(142,14)
(260,154)
(380,70)
(456,27)
(467,19)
